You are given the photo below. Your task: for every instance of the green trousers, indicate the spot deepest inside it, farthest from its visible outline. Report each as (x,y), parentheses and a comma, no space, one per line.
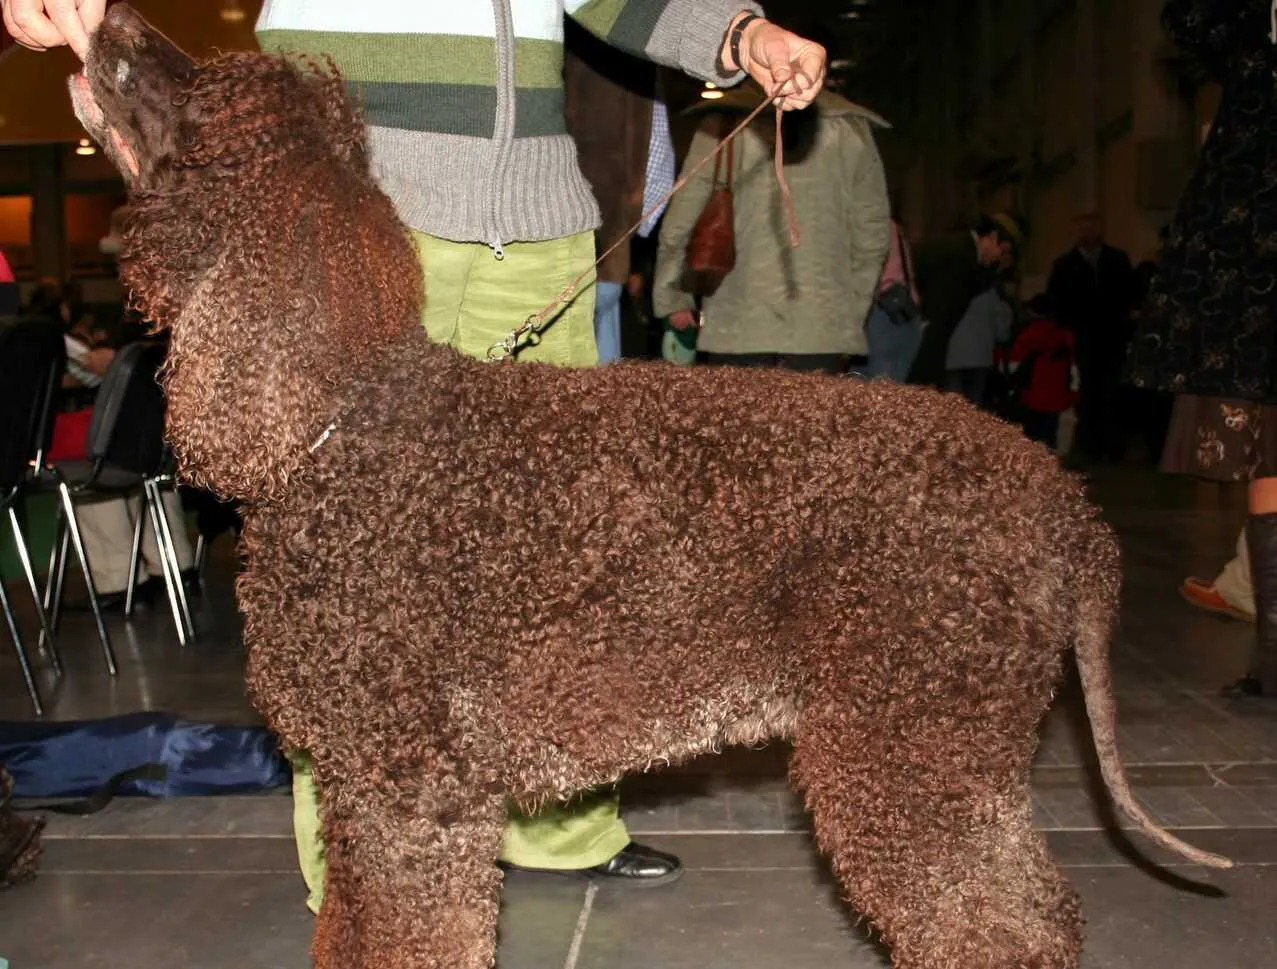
(474,300)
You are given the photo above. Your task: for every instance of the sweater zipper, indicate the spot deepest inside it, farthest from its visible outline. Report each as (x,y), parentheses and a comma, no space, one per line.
(503,128)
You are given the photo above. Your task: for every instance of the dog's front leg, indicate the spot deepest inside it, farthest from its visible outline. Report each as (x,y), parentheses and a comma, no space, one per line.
(409,892)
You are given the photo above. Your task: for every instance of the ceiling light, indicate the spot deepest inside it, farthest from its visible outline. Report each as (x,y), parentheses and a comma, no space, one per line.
(85,147)
(232,12)
(712,94)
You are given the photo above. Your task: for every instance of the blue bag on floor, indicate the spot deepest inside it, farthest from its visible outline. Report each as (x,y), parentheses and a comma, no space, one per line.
(147,754)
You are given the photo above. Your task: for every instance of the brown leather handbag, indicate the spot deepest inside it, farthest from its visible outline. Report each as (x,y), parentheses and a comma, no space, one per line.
(711,251)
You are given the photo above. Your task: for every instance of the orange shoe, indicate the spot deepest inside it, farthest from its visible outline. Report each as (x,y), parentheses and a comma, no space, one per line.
(1206,597)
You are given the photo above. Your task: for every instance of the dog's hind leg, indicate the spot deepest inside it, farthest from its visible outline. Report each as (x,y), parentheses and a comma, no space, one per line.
(406,890)
(929,831)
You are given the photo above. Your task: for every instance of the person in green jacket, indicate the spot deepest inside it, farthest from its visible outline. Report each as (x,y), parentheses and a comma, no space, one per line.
(801,308)
(464,103)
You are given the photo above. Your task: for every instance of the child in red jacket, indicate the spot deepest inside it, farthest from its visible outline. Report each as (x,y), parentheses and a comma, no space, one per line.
(1043,365)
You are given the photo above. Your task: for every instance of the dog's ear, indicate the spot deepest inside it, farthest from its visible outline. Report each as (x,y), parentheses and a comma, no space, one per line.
(280,330)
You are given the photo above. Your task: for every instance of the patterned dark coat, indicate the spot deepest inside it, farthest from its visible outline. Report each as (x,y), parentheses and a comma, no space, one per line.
(1208,326)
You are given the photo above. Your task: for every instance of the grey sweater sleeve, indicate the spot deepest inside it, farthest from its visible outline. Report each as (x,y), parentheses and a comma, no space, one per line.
(686,34)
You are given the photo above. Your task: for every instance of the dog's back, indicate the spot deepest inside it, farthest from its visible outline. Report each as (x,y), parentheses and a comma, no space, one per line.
(659,531)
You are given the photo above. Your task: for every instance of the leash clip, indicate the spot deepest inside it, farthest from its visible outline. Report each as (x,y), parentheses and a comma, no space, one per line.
(503,350)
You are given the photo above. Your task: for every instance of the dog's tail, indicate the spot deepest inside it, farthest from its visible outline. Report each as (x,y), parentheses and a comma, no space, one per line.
(1097,612)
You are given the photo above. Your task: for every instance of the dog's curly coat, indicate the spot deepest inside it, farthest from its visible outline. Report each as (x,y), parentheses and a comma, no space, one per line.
(444,600)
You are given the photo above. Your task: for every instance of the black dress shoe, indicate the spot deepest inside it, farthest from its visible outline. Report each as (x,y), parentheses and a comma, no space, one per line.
(1247,688)
(635,864)
(640,865)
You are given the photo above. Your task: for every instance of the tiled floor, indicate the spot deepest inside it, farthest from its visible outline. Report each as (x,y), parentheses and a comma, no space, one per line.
(211,883)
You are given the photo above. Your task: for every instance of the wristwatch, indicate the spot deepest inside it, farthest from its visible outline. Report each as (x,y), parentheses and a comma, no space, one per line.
(734,39)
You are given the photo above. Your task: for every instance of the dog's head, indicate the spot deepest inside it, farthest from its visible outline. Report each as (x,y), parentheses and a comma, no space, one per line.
(127,96)
(169,123)
(255,232)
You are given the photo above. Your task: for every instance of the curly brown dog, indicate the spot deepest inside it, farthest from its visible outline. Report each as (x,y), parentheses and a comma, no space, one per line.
(447,590)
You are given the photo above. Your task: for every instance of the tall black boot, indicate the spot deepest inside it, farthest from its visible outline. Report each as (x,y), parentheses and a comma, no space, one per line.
(1261,542)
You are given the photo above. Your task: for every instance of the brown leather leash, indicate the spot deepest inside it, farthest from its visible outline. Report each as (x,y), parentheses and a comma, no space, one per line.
(538,322)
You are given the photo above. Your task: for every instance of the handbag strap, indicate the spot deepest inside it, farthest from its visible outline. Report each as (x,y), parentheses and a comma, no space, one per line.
(718,161)
(504,349)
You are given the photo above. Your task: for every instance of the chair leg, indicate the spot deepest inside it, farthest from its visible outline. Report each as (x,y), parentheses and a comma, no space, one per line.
(46,632)
(155,507)
(57,576)
(135,559)
(24,661)
(68,506)
(201,553)
(169,550)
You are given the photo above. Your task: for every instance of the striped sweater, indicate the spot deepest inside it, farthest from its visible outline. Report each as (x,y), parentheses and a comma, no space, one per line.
(464,98)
